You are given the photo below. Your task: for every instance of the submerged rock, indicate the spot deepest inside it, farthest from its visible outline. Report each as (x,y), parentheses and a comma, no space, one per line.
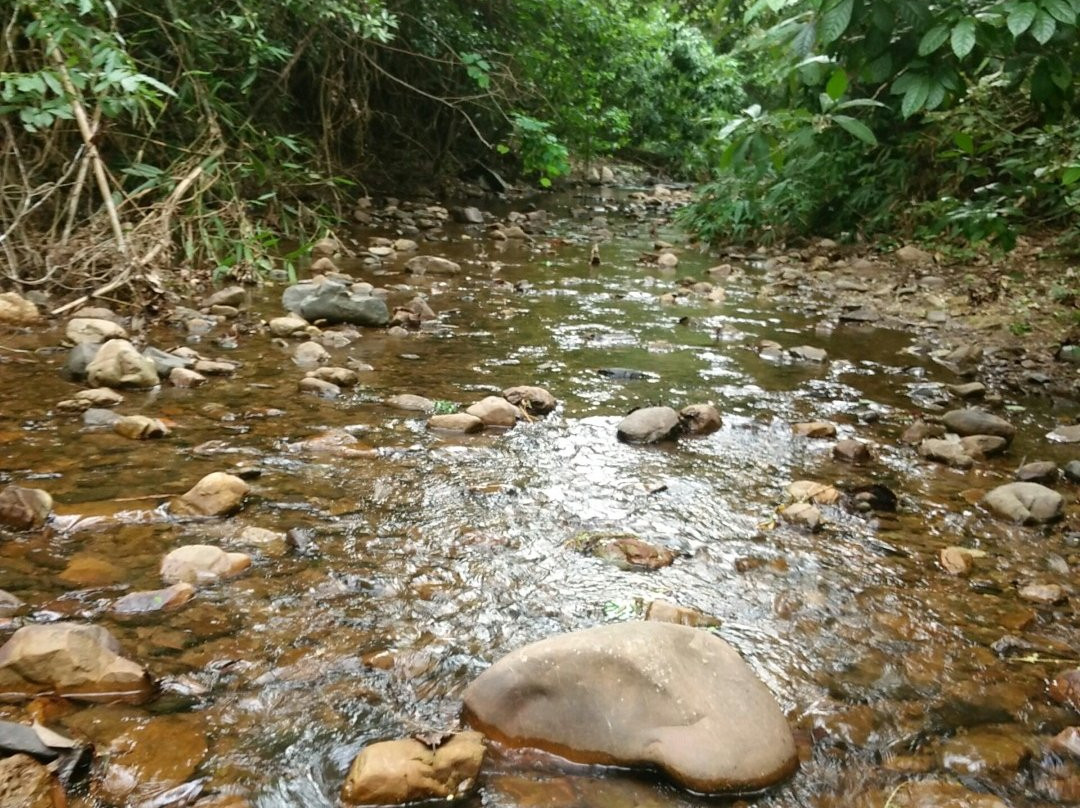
(407,401)
(1025,502)
(432,264)
(650,425)
(76,661)
(403,771)
(216,494)
(630,553)
(974,421)
(140,427)
(24,508)
(201,563)
(639,694)
(155,600)
(25,783)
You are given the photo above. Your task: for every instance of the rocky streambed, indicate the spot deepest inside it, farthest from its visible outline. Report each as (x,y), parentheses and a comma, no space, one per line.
(242,548)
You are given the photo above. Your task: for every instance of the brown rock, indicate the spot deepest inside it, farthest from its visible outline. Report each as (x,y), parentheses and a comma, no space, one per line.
(534,400)
(76,661)
(956,561)
(810,491)
(211,367)
(201,563)
(494,411)
(25,783)
(1067,742)
(980,446)
(984,750)
(851,451)
(342,377)
(700,419)
(186,378)
(216,494)
(100,397)
(150,755)
(802,513)
(318,387)
(86,570)
(165,600)
(633,554)
(920,431)
(17,310)
(918,794)
(24,508)
(1043,594)
(814,429)
(1065,688)
(639,694)
(410,402)
(950,452)
(431,264)
(663,612)
(398,772)
(456,422)
(139,427)
(118,364)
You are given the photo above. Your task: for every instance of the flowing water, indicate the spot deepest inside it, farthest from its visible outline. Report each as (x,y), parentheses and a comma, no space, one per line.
(438,555)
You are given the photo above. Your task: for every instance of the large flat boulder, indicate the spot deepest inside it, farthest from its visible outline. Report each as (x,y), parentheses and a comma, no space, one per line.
(639,694)
(74,660)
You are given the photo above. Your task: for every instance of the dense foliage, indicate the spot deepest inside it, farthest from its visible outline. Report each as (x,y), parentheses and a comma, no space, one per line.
(212,134)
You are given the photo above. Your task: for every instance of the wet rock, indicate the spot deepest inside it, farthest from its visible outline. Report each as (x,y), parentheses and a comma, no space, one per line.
(650,425)
(533,400)
(1072,471)
(403,771)
(698,712)
(332,303)
(956,561)
(165,362)
(809,353)
(156,600)
(406,401)
(76,661)
(95,417)
(468,215)
(1043,594)
(24,508)
(980,446)
(397,332)
(814,429)
(342,377)
(660,611)
(918,794)
(851,451)
(118,364)
(1025,503)
(950,452)
(151,759)
(810,491)
(1065,689)
(667,259)
(100,397)
(309,354)
(974,421)
(216,494)
(229,296)
(1067,742)
(24,783)
(185,378)
(456,422)
(85,329)
(288,326)
(625,374)
(210,367)
(630,553)
(969,390)
(9,604)
(318,387)
(803,514)
(1041,471)
(202,564)
(432,265)
(1065,434)
(984,750)
(88,570)
(494,411)
(17,310)
(332,442)
(700,419)
(270,542)
(140,427)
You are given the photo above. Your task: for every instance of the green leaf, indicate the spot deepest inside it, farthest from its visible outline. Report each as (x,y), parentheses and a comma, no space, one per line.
(835,20)
(916,96)
(855,127)
(933,39)
(1071,175)
(837,86)
(1043,27)
(1060,10)
(964,142)
(935,96)
(1021,17)
(963,38)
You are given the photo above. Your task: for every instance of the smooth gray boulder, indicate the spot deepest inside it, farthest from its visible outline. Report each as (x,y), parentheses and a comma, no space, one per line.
(973,421)
(642,695)
(1025,502)
(650,425)
(332,304)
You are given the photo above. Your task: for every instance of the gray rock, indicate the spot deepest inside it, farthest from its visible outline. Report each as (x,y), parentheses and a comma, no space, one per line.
(468,215)
(979,446)
(165,362)
(229,296)
(650,425)
(9,604)
(293,296)
(949,452)
(1072,471)
(432,264)
(973,421)
(1041,471)
(809,353)
(700,419)
(78,359)
(1066,434)
(640,694)
(333,304)
(1025,502)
